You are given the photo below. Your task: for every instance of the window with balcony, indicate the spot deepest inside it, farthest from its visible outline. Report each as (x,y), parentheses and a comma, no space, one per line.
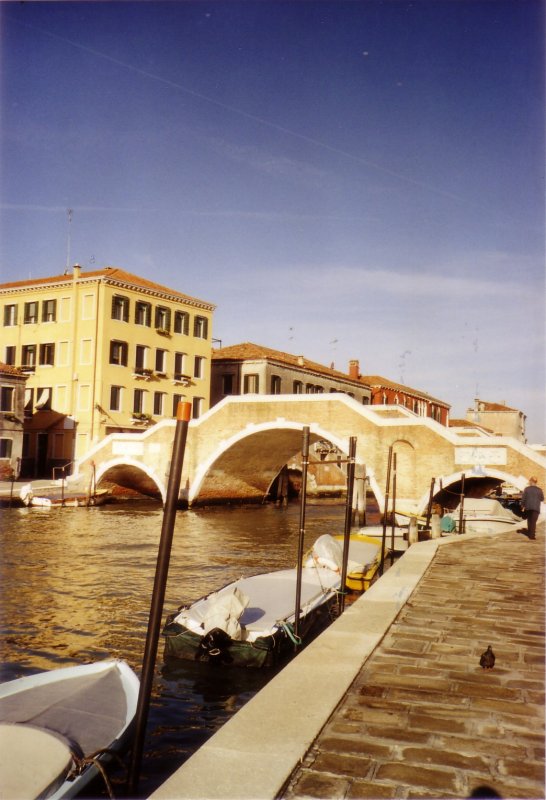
(49,311)
(115,398)
(141,360)
(10,355)
(31,312)
(7,396)
(118,353)
(28,357)
(143,313)
(120,308)
(10,315)
(162,319)
(251,384)
(200,327)
(181,322)
(47,354)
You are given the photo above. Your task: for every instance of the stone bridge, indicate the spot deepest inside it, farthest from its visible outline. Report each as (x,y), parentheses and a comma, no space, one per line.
(238,448)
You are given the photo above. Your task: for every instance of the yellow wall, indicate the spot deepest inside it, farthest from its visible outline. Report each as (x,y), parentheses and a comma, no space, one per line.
(81,375)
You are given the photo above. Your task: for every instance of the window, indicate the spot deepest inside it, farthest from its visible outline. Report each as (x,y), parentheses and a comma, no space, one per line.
(47,354)
(227,384)
(31,313)
(29,356)
(43,399)
(120,308)
(29,400)
(7,394)
(5,448)
(275,384)
(177,398)
(143,313)
(115,398)
(49,311)
(199,367)
(200,327)
(159,400)
(309,388)
(10,315)
(181,322)
(141,358)
(163,318)
(297,387)
(179,366)
(10,355)
(160,361)
(138,401)
(197,407)
(118,353)
(251,384)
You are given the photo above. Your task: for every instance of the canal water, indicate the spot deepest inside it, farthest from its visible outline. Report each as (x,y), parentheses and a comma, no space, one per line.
(76,587)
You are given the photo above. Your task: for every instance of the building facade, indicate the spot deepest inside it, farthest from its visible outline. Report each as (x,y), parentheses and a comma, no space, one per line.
(103,351)
(12,401)
(387,392)
(253,369)
(498,418)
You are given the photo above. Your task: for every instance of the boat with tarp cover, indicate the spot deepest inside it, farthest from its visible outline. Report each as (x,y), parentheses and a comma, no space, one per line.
(60,729)
(250,622)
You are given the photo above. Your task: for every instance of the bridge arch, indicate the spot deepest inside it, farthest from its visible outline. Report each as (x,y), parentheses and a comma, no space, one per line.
(132,474)
(254,456)
(475,473)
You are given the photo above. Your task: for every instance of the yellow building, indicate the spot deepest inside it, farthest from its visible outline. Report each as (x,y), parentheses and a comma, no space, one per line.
(104,351)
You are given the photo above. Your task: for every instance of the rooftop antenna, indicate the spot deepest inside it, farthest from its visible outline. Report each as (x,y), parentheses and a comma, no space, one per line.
(69,213)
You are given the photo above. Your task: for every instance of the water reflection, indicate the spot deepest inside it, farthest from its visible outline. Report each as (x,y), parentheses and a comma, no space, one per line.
(76,587)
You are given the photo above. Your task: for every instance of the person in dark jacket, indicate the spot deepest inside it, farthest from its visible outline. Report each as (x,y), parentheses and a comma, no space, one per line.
(531,499)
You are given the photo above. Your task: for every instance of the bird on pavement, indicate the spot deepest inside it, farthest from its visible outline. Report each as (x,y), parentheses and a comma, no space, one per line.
(487,659)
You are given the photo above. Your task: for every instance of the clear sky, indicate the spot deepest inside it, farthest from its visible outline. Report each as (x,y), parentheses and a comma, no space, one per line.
(342,179)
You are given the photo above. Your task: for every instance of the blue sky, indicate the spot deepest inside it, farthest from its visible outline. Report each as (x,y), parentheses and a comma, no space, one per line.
(343,179)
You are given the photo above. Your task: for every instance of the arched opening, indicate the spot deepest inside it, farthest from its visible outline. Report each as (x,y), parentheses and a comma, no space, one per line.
(129,481)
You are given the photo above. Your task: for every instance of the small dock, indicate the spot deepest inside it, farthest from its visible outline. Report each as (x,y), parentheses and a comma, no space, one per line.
(391,701)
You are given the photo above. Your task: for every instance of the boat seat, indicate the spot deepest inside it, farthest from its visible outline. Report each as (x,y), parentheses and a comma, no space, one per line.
(33,762)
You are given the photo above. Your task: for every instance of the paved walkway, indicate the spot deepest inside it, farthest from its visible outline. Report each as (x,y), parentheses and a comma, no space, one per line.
(390,702)
(422,719)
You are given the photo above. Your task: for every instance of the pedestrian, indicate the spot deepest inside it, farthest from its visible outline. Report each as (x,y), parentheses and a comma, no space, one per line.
(531,499)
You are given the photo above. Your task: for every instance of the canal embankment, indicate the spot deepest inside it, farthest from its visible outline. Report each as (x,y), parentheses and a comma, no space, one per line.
(391,701)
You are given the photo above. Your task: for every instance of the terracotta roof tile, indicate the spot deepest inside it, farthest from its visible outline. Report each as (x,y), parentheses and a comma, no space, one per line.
(251,351)
(377,381)
(109,274)
(7,369)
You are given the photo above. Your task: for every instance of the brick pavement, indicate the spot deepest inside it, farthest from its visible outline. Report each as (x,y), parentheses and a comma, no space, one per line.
(422,719)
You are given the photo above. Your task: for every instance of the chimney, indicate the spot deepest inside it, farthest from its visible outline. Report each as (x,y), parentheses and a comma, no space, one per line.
(76,271)
(301,361)
(354,370)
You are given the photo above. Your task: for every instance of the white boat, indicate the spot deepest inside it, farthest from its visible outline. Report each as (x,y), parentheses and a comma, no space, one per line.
(57,728)
(375,533)
(56,497)
(251,621)
(481,515)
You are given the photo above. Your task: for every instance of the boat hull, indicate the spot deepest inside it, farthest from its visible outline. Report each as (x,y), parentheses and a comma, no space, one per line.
(265,651)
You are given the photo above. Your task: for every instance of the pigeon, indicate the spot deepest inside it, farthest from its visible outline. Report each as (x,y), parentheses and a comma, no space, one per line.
(487,659)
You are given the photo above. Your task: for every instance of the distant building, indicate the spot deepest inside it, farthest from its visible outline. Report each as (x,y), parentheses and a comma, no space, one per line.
(498,418)
(253,369)
(103,351)
(387,392)
(12,401)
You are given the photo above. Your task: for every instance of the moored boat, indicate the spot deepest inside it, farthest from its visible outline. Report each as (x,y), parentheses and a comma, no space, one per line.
(481,515)
(58,498)
(251,621)
(58,729)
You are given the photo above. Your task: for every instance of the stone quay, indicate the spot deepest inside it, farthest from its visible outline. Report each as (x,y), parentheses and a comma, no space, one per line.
(391,701)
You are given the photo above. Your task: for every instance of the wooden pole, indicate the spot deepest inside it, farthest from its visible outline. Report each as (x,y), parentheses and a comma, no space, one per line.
(303,496)
(461,507)
(393,520)
(348,516)
(385,510)
(430,499)
(183,415)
